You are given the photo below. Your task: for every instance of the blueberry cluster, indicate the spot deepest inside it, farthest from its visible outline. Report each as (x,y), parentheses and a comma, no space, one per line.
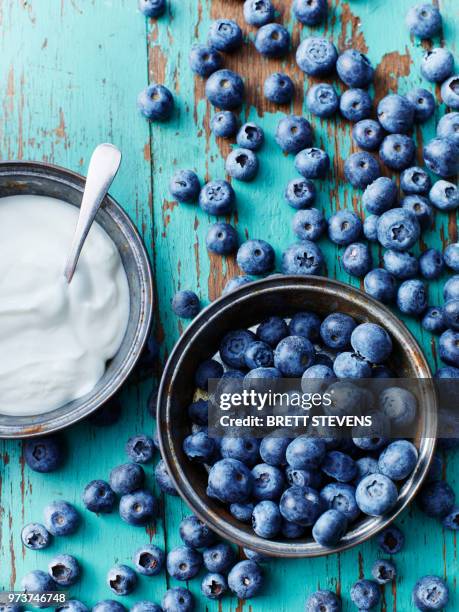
(290,487)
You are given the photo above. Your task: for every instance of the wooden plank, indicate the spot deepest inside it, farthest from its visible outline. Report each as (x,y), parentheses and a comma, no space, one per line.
(71,72)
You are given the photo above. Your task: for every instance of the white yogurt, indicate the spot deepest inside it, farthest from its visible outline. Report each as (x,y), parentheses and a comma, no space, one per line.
(55,338)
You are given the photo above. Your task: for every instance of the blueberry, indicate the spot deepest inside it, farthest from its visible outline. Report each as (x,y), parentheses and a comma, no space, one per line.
(266,519)
(242,164)
(316,378)
(412,297)
(433,320)
(258,12)
(148,560)
(322,100)
(431,264)
(259,355)
(437,65)
(450,92)
(255,257)
(198,412)
(368,134)
(293,134)
(372,342)
(35,536)
(305,453)
(213,586)
(398,460)
(448,127)
(177,599)
(336,330)
(383,571)
(279,88)
(122,580)
(73,605)
(219,558)
(449,347)
(61,518)
(380,196)
(421,207)
(398,229)
(108,605)
(351,365)
(185,186)
(309,224)
(225,35)
(365,594)
(391,540)
(233,347)
(451,256)
(64,570)
(423,102)
(183,562)
(199,447)
(217,198)
(163,479)
(242,512)
(250,136)
(146,606)
(430,593)
(354,68)
(138,508)
(293,355)
(441,156)
(155,102)
(323,601)
(38,582)
(301,505)
(399,405)
(381,285)
(44,454)
(344,227)
(339,466)
(365,466)
(355,104)
(345,397)
(272,40)
(303,258)
(245,579)
(451,520)
(272,330)
(222,239)
(306,324)
(310,12)
(99,497)
(152,8)
(361,169)
(415,180)
(424,20)
(225,89)
(195,533)
(436,499)
(140,448)
(204,60)
(292,531)
(451,288)
(273,449)
(230,481)
(316,56)
(376,494)
(312,163)
(329,528)
(401,264)
(268,482)
(300,193)
(397,151)
(126,478)
(304,478)
(224,124)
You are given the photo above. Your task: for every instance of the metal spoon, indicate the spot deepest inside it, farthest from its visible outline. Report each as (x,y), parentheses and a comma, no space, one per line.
(103,167)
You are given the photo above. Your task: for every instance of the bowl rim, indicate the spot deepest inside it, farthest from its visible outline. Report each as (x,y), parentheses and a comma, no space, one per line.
(122,220)
(372,525)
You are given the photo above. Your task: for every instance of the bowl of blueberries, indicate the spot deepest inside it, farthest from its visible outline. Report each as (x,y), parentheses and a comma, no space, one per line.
(295,495)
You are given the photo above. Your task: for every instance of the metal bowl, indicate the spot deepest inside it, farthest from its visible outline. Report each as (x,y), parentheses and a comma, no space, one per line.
(48,180)
(279,295)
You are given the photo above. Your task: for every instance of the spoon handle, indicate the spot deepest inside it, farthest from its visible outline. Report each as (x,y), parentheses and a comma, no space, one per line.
(103,167)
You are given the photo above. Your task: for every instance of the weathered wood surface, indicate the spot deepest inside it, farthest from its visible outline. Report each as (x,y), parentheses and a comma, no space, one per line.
(70,72)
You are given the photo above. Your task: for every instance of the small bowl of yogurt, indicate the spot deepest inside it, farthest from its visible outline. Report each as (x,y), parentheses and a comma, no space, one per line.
(65,348)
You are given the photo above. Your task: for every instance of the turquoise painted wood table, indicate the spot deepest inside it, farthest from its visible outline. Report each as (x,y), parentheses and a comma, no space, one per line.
(70,72)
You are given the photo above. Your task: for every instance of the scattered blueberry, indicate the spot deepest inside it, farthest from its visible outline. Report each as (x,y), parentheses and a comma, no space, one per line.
(380,196)
(122,580)
(450,92)
(245,579)
(217,198)
(441,156)
(368,134)
(204,60)
(401,264)
(185,186)
(430,593)
(138,508)
(225,89)
(163,478)
(156,102)
(423,102)
(126,478)
(397,151)
(431,264)
(415,180)
(354,68)
(64,570)
(437,65)
(99,497)
(304,258)
(391,540)
(381,285)
(224,124)
(310,12)
(361,169)
(35,536)
(250,136)
(225,35)
(222,239)
(255,257)
(177,599)
(316,56)
(258,12)
(323,601)
(444,195)
(355,104)
(195,533)
(309,224)
(272,40)
(152,8)
(424,20)
(148,560)
(322,100)
(61,518)
(448,127)
(242,164)
(279,88)
(293,134)
(44,454)
(365,594)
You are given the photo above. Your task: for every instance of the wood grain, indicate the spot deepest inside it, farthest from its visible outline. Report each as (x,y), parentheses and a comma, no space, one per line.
(70,73)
